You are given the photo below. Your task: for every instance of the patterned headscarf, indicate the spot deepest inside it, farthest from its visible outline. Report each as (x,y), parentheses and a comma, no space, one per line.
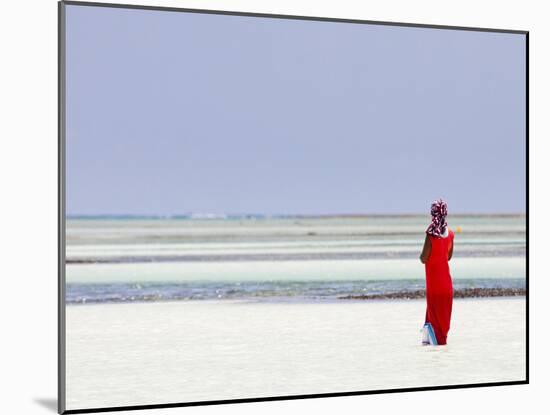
(439,213)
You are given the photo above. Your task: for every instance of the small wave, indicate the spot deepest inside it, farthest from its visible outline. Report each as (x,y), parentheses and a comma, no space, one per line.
(268,290)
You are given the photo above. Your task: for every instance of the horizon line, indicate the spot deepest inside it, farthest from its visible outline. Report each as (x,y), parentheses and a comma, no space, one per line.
(212,215)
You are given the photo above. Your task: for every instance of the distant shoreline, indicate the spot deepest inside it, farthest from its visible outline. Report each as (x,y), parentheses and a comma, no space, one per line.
(253,216)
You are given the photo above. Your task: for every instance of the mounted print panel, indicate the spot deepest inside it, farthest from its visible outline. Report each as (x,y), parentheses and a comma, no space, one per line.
(256,207)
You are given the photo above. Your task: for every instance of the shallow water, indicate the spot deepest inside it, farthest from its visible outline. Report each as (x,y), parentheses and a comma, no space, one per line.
(129,259)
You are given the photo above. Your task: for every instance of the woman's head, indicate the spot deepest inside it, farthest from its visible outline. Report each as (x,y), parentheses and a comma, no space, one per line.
(438,227)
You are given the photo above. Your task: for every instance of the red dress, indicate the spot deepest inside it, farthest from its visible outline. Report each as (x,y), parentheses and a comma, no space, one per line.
(439,287)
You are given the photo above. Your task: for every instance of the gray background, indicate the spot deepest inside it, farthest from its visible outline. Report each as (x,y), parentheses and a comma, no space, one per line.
(173,112)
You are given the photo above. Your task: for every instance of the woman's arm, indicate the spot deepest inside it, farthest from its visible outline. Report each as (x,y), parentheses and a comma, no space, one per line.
(426,250)
(451,249)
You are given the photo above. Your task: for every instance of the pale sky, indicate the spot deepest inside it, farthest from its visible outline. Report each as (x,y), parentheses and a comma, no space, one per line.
(172,113)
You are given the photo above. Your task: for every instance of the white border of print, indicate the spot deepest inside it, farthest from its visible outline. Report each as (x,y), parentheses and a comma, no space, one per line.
(28,159)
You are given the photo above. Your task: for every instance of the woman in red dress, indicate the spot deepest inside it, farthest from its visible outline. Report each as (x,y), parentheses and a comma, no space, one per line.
(437,251)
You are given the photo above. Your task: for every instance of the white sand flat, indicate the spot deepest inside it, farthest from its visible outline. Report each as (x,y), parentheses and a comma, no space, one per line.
(153,353)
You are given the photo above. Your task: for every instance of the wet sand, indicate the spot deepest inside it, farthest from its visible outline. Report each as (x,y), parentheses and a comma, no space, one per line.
(461,293)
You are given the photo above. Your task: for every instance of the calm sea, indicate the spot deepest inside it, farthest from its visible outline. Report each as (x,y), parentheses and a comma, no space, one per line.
(121,259)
